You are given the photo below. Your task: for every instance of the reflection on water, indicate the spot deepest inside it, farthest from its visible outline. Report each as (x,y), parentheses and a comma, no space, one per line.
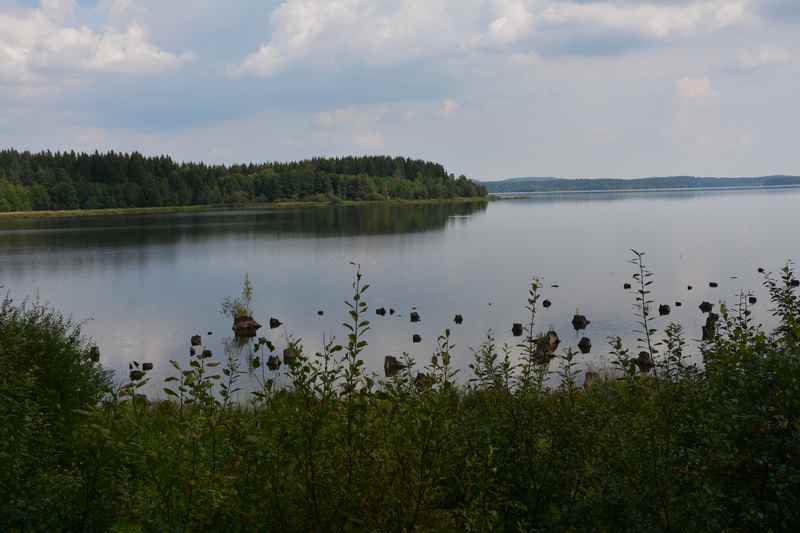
(146,283)
(663,194)
(83,242)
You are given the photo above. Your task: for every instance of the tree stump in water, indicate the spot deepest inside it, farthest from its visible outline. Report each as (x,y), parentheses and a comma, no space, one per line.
(392,366)
(580,322)
(585,345)
(245,327)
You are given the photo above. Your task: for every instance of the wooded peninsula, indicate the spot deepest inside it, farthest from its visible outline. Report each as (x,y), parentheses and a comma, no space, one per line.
(70,180)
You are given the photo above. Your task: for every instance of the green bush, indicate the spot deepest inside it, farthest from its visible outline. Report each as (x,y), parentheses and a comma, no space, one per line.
(38,344)
(48,376)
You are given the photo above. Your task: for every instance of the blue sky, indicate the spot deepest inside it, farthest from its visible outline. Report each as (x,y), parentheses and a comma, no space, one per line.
(491,88)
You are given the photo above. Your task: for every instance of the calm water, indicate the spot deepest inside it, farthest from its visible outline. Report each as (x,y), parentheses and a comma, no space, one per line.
(144,284)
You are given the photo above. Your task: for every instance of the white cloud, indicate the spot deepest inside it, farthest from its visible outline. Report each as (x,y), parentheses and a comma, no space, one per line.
(514,21)
(263,63)
(376,32)
(37,42)
(128,52)
(384,32)
(657,21)
(694,88)
(764,56)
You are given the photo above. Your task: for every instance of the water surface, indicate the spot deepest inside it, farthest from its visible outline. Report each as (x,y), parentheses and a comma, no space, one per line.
(144,283)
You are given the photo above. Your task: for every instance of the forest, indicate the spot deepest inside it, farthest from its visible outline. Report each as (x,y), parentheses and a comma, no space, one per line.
(70,180)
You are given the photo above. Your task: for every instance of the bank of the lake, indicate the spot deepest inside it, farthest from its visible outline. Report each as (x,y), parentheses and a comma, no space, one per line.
(518,195)
(289,204)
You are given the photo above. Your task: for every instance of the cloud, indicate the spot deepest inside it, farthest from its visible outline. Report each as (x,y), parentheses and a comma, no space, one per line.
(263,63)
(386,32)
(36,44)
(374,32)
(653,20)
(694,88)
(513,21)
(126,52)
(763,56)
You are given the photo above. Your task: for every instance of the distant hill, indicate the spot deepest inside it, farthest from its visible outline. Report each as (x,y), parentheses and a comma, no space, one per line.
(550,184)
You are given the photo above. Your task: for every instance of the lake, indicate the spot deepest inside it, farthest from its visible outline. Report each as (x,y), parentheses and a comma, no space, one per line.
(144,284)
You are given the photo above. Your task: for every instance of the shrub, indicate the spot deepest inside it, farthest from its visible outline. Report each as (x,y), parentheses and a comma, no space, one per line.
(48,375)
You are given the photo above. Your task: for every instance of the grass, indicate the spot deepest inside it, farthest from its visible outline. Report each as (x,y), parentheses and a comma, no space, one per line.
(71,213)
(663,446)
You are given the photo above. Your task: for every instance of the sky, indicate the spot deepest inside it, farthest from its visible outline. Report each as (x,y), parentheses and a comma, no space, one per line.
(489,88)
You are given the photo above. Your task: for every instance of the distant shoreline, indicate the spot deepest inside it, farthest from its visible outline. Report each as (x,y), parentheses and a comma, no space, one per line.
(511,195)
(75,213)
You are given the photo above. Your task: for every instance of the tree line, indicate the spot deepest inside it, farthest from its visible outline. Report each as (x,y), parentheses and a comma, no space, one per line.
(545,184)
(72,180)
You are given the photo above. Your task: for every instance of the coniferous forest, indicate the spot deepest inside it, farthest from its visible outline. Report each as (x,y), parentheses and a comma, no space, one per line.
(70,180)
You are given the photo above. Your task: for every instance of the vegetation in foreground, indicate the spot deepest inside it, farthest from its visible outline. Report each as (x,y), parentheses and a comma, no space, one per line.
(68,181)
(668,446)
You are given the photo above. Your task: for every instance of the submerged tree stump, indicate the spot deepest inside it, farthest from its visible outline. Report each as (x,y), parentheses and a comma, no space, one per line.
(585,345)
(710,329)
(392,366)
(580,322)
(644,362)
(273,363)
(546,347)
(245,327)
